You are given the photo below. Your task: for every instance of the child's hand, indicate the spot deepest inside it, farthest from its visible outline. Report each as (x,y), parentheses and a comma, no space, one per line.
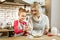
(29,28)
(25,28)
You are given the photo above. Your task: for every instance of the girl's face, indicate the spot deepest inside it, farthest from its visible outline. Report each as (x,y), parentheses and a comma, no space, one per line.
(22,16)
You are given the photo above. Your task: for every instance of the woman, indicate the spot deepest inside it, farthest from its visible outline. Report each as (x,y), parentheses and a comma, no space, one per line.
(38,21)
(20,26)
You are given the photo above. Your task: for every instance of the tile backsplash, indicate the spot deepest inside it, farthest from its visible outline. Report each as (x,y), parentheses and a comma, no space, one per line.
(8,13)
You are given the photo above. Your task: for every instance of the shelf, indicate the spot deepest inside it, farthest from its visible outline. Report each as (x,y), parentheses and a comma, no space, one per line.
(16,4)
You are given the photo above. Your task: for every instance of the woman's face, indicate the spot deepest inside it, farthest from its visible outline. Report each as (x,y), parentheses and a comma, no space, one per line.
(22,16)
(34,11)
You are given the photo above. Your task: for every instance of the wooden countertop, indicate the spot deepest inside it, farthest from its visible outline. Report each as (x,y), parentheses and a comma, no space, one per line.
(26,38)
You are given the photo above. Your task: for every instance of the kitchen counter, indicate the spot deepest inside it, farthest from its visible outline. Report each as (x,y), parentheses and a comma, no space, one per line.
(26,38)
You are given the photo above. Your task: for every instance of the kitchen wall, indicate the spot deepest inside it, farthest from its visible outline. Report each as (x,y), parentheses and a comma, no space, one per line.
(55,13)
(8,13)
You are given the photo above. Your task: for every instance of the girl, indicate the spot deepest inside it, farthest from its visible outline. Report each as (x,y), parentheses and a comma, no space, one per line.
(20,26)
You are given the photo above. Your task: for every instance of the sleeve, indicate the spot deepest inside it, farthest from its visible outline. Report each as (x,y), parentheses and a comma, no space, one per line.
(47,22)
(16,30)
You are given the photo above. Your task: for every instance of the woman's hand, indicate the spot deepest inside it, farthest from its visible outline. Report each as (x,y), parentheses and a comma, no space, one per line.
(46,31)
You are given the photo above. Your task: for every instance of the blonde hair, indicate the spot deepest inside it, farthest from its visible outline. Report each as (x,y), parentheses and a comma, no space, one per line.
(37,6)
